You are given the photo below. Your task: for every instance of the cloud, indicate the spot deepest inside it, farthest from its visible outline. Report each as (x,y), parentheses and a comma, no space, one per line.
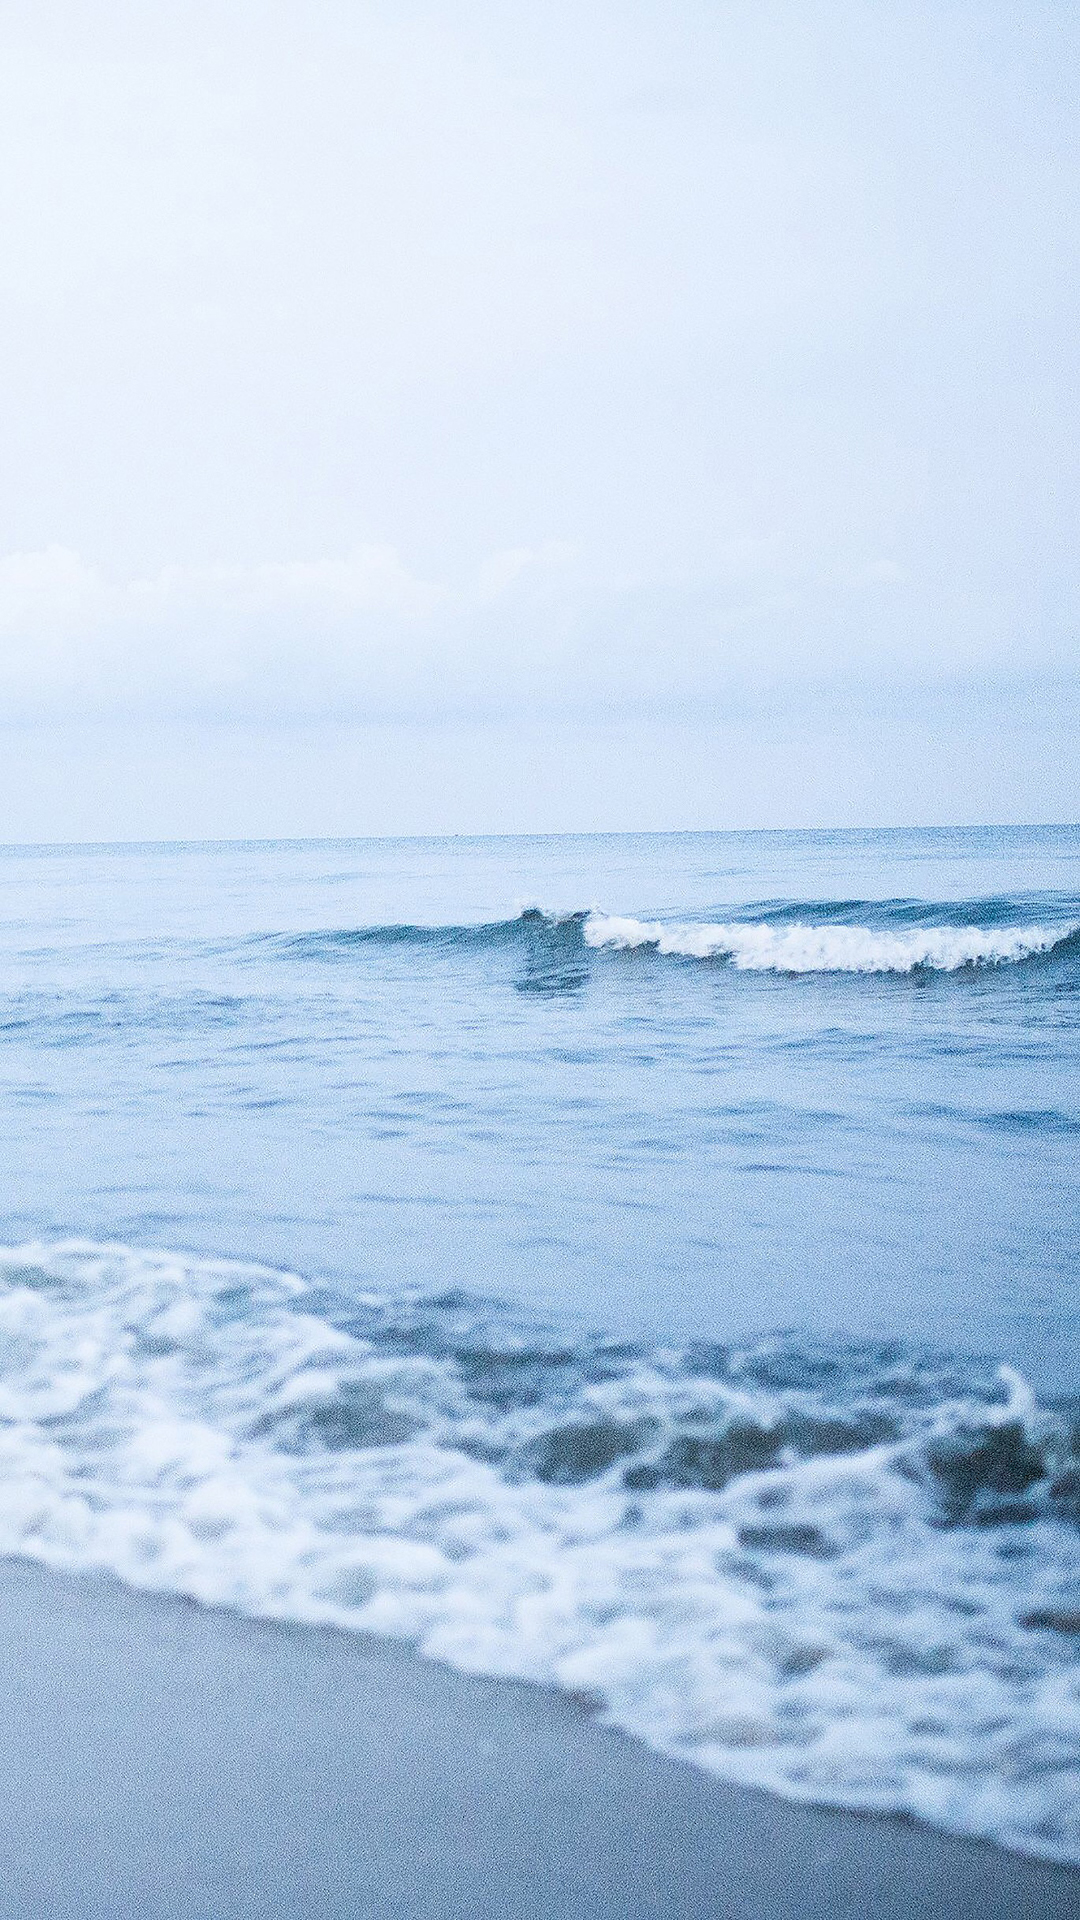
(536,629)
(57,588)
(502,570)
(192,638)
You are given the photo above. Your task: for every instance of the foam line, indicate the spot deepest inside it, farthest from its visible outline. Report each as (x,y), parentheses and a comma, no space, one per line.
(759,947)
(795,1590)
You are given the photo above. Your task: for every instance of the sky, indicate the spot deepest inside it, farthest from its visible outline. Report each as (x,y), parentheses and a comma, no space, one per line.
(537,417)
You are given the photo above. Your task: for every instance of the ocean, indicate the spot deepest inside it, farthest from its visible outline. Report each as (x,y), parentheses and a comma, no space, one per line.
(645,1265)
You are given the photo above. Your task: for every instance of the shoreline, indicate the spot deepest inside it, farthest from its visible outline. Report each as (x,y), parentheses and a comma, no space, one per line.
(181,1763)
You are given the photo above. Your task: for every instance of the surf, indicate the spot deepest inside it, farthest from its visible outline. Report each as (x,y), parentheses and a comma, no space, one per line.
(850,1574)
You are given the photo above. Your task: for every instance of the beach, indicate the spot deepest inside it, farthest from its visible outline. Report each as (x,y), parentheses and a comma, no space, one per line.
(181,1763)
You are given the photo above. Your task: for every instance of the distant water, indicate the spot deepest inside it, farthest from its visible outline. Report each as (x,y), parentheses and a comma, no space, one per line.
(643,1264)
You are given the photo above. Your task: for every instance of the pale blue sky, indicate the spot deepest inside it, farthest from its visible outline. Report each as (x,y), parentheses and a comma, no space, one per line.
(489,416)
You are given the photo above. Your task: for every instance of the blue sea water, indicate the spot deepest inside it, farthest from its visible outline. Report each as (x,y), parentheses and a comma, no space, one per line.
(643,1264)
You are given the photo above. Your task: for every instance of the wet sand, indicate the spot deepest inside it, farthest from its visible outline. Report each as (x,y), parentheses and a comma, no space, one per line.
(163,1761)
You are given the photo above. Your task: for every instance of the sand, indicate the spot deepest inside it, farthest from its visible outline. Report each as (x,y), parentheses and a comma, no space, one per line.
(159,1761)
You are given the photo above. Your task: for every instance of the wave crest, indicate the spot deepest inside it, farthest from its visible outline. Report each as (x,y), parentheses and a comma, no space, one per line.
(757,946)
(899,938)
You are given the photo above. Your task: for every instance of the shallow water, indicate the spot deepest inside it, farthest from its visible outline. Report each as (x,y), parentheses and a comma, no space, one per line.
(666,1209)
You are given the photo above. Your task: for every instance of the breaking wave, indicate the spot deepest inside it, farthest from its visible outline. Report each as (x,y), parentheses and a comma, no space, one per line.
(846,1573)
(806,948)
(792,940)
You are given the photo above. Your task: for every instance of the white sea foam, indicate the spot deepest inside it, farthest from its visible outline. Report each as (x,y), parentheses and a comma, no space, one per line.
(202,1429)
(799,948)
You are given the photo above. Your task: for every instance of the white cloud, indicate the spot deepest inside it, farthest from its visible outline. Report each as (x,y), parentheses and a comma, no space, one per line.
(45,589)
(534,630)
(57,588)
(193,636)
(501,570)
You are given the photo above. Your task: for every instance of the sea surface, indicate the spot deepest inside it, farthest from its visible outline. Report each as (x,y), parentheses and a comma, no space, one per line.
(647,1265)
